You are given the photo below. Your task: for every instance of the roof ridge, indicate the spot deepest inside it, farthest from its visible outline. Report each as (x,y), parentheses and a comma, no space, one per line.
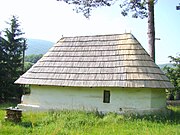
(98,35)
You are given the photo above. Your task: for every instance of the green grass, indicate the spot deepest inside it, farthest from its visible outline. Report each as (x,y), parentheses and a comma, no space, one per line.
(82,123)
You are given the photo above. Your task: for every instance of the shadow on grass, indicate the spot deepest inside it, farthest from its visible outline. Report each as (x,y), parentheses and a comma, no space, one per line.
(27,124)
(173,117)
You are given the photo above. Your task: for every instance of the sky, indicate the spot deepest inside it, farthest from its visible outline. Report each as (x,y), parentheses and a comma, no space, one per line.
(50,20)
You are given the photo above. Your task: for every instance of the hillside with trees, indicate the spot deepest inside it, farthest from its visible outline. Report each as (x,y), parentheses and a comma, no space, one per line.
(37,46)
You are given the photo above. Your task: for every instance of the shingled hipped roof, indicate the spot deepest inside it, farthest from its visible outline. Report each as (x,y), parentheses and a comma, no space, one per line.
(97,61)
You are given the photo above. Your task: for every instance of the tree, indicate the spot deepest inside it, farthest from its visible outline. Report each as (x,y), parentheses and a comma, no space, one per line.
(138,8)
(173,73)
(27,66)
(11,49)
(2,67)
(31,60)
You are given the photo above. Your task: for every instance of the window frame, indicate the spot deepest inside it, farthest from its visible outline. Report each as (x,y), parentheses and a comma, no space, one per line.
(106,96)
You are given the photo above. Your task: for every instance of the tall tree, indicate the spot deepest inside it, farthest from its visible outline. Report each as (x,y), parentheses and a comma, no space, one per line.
(151,29)
(11,48)
(138,8)
(2,67)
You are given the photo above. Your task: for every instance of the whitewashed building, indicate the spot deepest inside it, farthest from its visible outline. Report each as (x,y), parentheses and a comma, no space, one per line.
(105,73)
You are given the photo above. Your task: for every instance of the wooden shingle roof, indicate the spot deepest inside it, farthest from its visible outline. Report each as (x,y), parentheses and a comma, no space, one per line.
(97,61)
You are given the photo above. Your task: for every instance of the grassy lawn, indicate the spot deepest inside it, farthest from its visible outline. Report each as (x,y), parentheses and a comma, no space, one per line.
(81,123)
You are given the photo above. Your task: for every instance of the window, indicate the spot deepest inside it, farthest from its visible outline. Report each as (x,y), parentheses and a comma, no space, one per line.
(106,96)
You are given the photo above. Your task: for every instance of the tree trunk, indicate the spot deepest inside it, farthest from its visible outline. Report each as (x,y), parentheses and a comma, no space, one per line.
(151,29)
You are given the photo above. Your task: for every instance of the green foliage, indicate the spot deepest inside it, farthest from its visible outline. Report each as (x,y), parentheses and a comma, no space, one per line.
(83,123)
(173,73)
(27,65)
(33,58)
(11,49)
(138,8)
(85,6)
(30,60)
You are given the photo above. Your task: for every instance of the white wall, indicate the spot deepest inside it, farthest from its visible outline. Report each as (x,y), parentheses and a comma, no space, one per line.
(122,99)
